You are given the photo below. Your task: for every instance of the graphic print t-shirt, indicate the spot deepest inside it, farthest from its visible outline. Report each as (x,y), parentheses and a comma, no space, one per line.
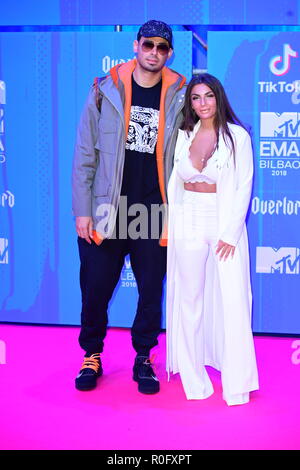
(140,177)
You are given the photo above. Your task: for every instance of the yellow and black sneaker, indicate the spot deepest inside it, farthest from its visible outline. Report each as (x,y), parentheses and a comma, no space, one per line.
(90,371)
(144,375)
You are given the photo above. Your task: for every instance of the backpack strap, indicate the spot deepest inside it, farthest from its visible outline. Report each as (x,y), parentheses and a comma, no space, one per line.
(98,94)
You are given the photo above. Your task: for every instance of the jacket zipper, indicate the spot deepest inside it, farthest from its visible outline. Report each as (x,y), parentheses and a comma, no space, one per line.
(115,201)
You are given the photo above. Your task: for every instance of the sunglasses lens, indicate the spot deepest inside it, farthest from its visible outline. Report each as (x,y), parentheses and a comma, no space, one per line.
(163,49)
(147,46)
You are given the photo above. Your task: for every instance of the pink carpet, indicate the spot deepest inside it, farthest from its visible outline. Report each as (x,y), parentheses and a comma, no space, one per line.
(40,408)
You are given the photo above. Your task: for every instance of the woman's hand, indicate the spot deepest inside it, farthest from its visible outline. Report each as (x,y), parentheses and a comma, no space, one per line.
(225,250)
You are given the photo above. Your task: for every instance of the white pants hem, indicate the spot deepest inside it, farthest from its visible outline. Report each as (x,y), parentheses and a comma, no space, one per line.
(238,399)
(198,397)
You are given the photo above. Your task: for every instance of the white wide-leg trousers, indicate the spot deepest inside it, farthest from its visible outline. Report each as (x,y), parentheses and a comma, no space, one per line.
(199,218)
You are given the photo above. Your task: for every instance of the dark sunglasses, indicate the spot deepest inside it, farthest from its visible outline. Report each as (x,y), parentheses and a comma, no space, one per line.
(162,48)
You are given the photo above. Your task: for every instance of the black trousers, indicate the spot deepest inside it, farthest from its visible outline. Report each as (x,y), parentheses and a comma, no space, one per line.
(99,274)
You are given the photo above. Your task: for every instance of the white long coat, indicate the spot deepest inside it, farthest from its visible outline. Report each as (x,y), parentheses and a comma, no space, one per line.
(228,336)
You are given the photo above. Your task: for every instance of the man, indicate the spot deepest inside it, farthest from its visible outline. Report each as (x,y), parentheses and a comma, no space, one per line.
(116,159)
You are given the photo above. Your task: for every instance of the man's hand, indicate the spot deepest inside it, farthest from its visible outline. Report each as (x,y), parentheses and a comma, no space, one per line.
(84,228)
(225,250)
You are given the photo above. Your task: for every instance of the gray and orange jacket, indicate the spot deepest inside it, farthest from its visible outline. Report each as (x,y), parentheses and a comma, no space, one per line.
(100,147)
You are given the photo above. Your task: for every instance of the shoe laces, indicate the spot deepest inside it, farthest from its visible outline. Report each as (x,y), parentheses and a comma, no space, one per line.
(91,362)
(148,365)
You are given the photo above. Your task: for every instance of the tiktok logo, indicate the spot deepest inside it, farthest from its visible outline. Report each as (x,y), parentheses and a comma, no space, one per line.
(280,65)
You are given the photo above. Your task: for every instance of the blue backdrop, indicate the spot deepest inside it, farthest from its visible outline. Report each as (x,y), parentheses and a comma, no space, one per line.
(44,78)
(42,92)
(134,12)
(260,72)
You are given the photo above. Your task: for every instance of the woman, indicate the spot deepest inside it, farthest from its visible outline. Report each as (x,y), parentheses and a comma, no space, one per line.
(208,277)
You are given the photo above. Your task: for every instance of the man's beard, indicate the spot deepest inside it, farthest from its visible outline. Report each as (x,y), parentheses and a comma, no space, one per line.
(151,67)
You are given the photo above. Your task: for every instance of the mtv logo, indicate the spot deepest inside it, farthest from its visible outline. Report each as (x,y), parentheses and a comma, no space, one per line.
(127,263)
(3,251)
(284,260)
(2,92)
(279,125)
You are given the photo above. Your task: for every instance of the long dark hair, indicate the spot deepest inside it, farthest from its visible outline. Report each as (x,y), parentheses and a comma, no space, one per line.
(224,113)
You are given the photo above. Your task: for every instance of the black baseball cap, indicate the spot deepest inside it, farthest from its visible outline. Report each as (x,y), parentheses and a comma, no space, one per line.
(154,28)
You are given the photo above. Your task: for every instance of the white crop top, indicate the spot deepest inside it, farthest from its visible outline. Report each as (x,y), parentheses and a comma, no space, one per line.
(190,174)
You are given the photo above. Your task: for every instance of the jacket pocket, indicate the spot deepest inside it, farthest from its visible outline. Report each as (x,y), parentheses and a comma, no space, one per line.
(101,186)
(106,145)
(107,140)
(104,174)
